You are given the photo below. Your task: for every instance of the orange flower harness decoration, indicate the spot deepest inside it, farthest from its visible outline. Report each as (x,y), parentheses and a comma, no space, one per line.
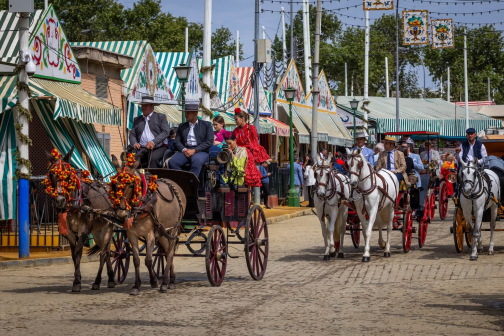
(120,180)
(66,176)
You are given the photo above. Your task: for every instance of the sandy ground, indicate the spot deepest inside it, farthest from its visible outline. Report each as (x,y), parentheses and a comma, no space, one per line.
(429,291)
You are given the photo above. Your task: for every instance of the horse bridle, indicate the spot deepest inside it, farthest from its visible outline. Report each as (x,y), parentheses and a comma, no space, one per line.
(330,178)
(360,165)
(472,194)
(78,190)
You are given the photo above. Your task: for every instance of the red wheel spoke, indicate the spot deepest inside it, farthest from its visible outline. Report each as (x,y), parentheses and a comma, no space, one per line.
(261,229)
(263,253)
(218,270)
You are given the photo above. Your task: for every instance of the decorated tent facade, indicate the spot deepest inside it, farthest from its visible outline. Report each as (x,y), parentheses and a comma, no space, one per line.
(330,128)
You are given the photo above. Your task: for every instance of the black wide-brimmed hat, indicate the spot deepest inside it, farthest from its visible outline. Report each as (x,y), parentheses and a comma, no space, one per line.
(191,108)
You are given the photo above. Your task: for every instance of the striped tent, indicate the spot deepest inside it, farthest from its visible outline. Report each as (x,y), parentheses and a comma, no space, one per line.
(71,100)
(167,60)
(9,26)
(432,115)
(245,73)
(7,166)
(135,49)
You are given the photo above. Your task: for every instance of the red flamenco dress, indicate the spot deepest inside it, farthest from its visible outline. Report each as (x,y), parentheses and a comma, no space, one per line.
(445,171)
(247,137)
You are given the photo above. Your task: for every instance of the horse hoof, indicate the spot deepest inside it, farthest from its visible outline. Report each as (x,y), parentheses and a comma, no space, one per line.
(111,284)
(386,254)
(326,258)
(76,288)
(490,252)
(171,286)
(163,288)
(366,259)
(341,255)
(95,287)
(473,258)
(154,285)
(135,291)
(332,254)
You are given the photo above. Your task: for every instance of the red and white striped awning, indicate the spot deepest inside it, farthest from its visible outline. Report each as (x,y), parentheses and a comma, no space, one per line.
(281,129)
(476,103)
(244,74)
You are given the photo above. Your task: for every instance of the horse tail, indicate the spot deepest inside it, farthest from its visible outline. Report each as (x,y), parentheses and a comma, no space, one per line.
(93,250)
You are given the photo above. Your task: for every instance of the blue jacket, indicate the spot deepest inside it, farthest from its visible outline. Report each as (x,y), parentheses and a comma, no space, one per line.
(264,174)
(298,174)
(338,167)
(418,165)
(368,154)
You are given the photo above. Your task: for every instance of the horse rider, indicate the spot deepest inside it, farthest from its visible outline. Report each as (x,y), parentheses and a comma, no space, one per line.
(472,148)
(149,132)
(392,160)
(360,139)
(193,141)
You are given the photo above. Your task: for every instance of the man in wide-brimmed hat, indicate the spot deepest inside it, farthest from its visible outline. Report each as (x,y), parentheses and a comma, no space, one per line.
(392,160)
(149,132)
(430,155)
(193,141)
(360,139)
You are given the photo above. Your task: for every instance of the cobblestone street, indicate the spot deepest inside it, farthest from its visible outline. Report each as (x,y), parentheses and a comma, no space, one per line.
(429,291)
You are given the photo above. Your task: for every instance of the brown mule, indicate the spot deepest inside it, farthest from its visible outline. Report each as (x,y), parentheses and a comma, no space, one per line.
(79,222)
(166,207)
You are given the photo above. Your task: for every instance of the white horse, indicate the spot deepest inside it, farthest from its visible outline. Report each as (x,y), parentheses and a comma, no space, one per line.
(330,188)
(475,197)
(379,192)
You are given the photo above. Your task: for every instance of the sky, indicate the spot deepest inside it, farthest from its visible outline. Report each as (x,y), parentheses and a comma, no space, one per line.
(240,15)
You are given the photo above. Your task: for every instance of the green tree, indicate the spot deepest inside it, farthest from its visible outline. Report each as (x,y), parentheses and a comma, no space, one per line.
(223,43)
(485,58)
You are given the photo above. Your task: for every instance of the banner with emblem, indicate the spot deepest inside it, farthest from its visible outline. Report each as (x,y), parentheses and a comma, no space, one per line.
(291,79)
(415,27)
(377,5)
(151,81)
(442,34)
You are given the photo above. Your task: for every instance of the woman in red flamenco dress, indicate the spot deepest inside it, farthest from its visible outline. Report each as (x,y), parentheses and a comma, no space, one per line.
(246,136)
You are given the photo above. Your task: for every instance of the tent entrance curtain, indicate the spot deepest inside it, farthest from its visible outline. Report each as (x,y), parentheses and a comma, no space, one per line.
(7,166)
(61,131)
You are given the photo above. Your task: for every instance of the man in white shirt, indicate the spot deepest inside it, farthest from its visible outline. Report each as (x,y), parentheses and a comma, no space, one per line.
(149,133)
(471,149)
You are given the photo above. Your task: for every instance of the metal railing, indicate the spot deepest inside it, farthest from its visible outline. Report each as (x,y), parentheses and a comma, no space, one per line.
(43,226)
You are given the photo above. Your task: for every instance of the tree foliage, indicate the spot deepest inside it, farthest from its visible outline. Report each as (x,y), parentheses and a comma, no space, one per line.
(108,20)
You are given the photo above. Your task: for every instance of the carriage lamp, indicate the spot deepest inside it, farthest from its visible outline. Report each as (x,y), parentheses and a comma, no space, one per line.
(354,104)
(292,194)
(183,72)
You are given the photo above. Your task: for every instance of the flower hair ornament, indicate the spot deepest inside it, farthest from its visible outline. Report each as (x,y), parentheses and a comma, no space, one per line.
(237,110)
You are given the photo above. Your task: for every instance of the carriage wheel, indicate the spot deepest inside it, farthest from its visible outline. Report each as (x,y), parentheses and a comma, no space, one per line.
(355,233)
(407,230)
(432,206)
(424,221)
(159,261)
(120,254)
(216,255)
(458,230)
(256,242)
(443,200)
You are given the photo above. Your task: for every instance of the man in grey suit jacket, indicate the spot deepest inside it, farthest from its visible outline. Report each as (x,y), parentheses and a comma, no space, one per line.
(193,141)
(149,132)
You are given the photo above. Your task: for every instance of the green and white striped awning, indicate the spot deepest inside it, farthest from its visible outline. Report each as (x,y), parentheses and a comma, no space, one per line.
(7,166)
(283,115)
(135,49)
(432,115)
(56,131)
(71,100)
(168,60)
(9,43)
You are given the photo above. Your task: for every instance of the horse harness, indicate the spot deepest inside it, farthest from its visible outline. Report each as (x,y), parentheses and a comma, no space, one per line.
(480,176)
(384,190)
(333,176)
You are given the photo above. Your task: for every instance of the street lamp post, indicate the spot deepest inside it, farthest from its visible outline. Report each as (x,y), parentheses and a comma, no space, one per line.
(354,104)
(292,195)
(183,72)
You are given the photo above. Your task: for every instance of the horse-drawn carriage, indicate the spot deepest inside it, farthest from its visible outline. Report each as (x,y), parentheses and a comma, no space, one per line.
(215,217)
(407,205)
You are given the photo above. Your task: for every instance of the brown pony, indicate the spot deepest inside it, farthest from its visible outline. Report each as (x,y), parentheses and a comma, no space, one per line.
(157,214)
(75,197)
